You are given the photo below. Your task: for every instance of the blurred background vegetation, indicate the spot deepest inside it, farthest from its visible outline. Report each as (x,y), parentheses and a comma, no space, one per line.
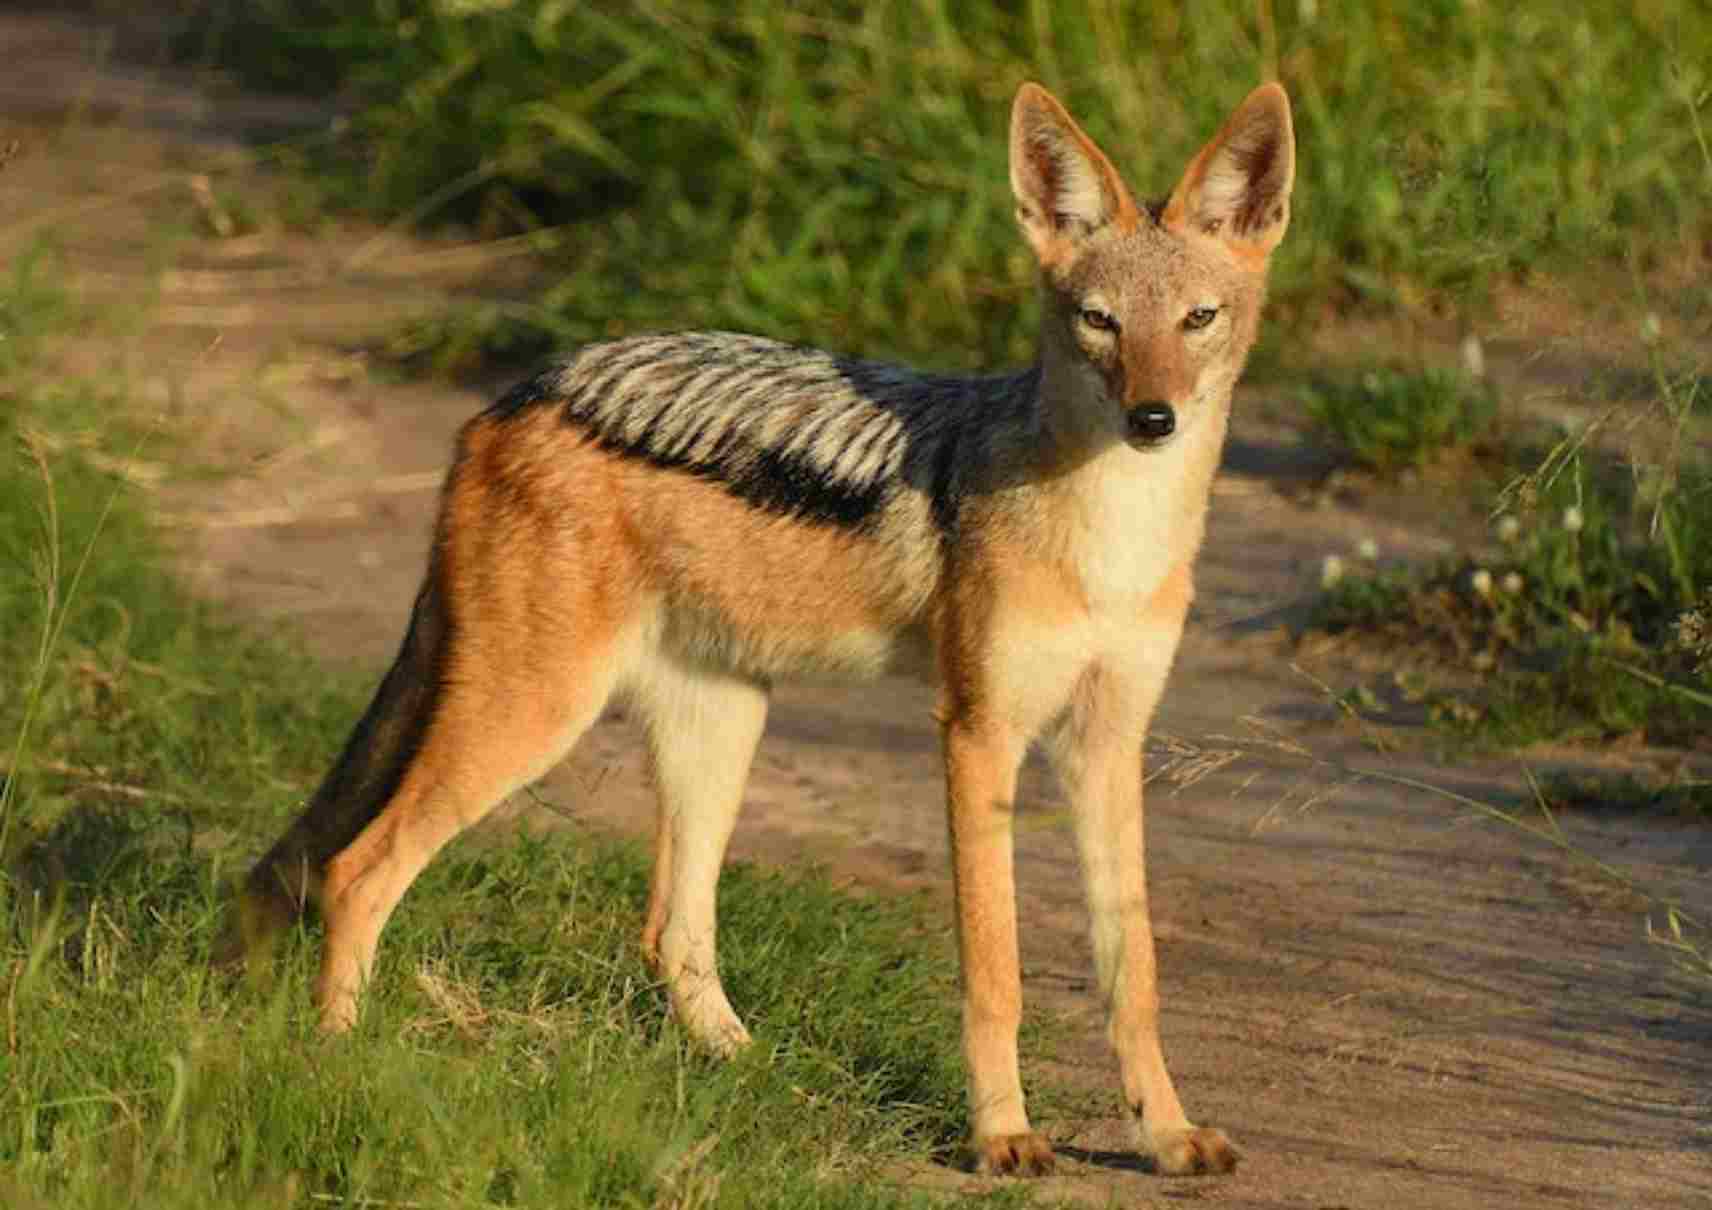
(835,173)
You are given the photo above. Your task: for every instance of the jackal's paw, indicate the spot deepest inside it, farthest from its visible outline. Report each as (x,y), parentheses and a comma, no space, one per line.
(727,1038)
(337,1014)
(1027,1154)
(1193,1151)
(714,1027)
(704,1012)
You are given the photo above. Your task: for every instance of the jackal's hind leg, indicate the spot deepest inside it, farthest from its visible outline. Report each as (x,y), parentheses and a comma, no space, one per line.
(488,737)
(702,731)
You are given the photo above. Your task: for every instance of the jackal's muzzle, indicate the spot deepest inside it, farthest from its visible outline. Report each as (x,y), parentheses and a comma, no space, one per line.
(1151,423)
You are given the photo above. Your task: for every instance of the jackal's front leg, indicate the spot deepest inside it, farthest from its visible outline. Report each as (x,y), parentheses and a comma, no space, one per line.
(981,771)
(1098,755)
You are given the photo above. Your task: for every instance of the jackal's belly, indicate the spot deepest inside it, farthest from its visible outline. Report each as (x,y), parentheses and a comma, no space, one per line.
(807,649)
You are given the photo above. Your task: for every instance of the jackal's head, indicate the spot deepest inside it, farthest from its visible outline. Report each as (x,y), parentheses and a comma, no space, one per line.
(1149,312)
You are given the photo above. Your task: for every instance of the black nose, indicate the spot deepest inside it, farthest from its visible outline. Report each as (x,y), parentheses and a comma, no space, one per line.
(1152,422)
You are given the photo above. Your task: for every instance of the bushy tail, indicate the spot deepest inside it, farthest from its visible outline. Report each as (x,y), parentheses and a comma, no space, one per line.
(356,789)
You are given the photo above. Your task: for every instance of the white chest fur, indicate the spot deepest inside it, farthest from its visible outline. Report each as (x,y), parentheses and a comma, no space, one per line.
(1129,517)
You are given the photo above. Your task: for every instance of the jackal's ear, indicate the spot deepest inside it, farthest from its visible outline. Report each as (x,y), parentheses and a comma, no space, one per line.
(1238,186)
(1065,187)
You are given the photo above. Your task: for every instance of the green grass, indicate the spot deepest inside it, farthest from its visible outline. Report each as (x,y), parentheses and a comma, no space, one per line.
(514,1051)
(1388,418)
(145,691)
(1589,612)
(1688,798)
(837,175)
(1580,619)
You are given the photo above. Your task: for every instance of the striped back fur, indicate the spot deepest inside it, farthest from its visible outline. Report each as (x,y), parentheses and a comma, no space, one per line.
(791,430)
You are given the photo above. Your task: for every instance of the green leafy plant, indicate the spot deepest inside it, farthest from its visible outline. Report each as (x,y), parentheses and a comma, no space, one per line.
(1574,621)
(1388,418)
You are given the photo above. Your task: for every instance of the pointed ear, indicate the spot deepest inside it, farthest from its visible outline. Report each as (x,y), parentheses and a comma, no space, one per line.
(1065,188)
(1238,187)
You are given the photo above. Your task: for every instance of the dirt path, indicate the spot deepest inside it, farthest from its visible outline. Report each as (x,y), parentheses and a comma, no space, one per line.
(1389,1002)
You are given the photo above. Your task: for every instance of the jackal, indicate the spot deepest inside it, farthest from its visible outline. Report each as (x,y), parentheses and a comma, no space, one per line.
(685,519)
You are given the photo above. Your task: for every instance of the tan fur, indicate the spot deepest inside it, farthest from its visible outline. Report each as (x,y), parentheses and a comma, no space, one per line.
(599,536)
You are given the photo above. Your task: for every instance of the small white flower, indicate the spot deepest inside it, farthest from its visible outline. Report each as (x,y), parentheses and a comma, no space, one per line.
(1473,357)
(1331,571)
(1368,549)
(1512,582)
(1573,520)
(1481,582)
(1651,328)
(1508,528)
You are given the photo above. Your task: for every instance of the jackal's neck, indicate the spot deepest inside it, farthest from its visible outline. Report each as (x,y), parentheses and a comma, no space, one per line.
(1109,496)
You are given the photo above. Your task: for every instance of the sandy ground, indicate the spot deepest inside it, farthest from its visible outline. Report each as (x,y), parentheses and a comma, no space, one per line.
(1389,1000)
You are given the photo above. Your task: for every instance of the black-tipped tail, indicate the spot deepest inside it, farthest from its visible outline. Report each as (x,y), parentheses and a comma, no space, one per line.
(357,788)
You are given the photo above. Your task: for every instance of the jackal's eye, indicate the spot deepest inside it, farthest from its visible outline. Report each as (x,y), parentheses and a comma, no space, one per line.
(1100,321)
(1199,317)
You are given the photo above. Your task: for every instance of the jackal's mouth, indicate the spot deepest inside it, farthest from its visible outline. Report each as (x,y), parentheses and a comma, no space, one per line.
(1150,424)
